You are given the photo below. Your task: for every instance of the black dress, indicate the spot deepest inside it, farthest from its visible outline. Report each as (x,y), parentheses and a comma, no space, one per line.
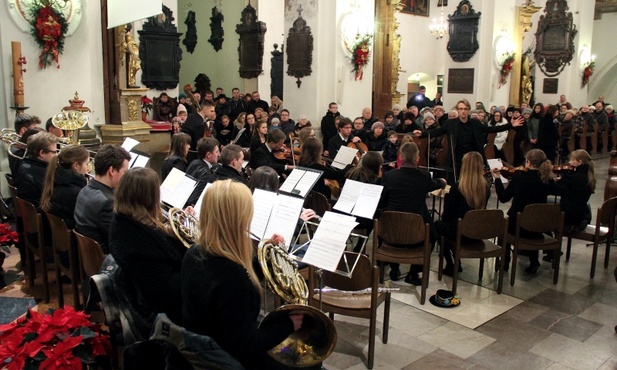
(455,207)
(173,162)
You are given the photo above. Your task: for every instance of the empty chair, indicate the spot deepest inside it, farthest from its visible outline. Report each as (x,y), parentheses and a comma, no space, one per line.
(91,255)
(480,224)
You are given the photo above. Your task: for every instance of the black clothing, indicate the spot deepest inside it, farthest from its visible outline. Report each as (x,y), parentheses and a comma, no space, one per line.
(455,207)
(287,127)
(173,162)
(255,144)
(252,105)
(406,129)
(335,144)
(151,260)
(245,138)
(264,157)
(220,300)
(30,179)
(195,127)
(225,135)
(369,122)
(390,152)
(94,209)
(575,194)
(328,128)
(548,137)
(67,185)
(226,172)
(376,143)
(235,108)
(199,170)
(419,100)
(14,163)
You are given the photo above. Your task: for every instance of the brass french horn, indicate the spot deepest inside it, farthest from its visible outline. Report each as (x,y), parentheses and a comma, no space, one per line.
(184,226)
(315,340)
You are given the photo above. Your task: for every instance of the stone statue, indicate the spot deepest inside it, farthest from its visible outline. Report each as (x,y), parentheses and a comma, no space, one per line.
(130,47)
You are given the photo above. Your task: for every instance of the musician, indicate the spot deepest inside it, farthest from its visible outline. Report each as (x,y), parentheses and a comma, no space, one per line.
(311,157)
(220,288)
(24,122)
(264,155)
(147,251)
(65,177)
(259,136)
(575,188)
(180,144)
(530,186)
(195,125)
(95,203)
(18,151)
(232,160)
(470,192)
(343,138)
(405,190)
(49,127)
(30,177)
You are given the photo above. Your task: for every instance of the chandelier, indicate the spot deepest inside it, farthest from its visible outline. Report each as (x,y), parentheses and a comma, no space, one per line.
(439,28)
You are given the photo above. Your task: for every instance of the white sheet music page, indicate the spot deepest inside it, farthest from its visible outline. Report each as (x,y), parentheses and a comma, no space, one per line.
(129,143)
(177,188)
(201,199)
(328,243)
(263,202)
(496,164)
(284,217)
(344,157)
(292,180)
(349,196)
(138,160)
(368,200)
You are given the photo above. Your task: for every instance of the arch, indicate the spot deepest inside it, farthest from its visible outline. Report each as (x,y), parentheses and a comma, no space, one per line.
(603,82)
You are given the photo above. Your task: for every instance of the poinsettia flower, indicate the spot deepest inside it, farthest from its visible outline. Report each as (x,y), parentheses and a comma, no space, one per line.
(61,356)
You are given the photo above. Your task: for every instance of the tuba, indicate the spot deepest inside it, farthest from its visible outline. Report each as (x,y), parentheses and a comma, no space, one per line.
(315,340)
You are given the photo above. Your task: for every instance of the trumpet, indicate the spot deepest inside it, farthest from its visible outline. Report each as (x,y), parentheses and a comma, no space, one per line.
(11,138)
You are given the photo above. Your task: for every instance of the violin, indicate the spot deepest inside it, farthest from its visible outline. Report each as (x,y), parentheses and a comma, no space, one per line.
(283,153)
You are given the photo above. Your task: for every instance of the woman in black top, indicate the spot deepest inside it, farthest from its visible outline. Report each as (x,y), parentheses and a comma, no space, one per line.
(220,288)
(64,179)
(180,145)
(531,186)
(575,188)
(470,192)
(147,251)
(311,157)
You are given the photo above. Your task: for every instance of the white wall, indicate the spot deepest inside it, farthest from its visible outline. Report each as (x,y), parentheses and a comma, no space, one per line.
(603,81)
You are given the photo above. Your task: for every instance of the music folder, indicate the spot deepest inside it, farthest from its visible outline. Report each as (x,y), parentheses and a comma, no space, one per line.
(138,159)
(300,181)
(177,188)
(275,214)
(343,157)
(359,199)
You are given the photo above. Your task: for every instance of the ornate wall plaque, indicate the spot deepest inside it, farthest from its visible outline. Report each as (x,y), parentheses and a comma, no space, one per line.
(190,39)
(551,86)
(276,72)
(251,48)
(216,26)
(463,31)
(159,51)
(460,80)
(299,49)
(555,38)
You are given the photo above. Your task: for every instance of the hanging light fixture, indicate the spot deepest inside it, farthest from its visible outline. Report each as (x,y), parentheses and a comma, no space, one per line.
(439,28)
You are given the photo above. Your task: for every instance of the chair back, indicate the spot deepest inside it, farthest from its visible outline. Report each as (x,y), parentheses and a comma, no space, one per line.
(9,179)
(541,217)
(361,278)
(60,233)
(90,253)
(482,224)
(317,202)
(401,228)
(607,212)
(33,222)
(14,196)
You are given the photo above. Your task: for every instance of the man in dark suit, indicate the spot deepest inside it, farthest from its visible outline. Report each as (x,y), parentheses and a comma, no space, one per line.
(343,138)
(232,161)
(465,134)
(195,125)
(95,203)
(405,190)
(264,155)
(202,168)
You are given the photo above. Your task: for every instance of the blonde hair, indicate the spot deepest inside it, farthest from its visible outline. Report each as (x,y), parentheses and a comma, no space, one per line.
(585,158)
(472,184)
(226,214)
(138,196)
(68,155)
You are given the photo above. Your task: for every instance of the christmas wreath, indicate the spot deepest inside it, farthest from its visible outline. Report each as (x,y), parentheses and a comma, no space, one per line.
(587,72)
(360,54)
(506,68)
(48,29)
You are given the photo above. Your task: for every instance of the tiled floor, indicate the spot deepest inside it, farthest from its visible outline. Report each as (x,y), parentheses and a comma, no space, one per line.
(532,325)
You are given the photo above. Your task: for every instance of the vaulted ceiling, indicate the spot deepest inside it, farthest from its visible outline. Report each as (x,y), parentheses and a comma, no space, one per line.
(605,6)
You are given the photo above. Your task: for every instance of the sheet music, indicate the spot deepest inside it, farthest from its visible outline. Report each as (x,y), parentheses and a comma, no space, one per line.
(344,157)
(201,199)
(328,243)
(177,188)
(138,160)
(263,201)
(359,199)
(284,217)
(129,143)
(496,164)
(300,181)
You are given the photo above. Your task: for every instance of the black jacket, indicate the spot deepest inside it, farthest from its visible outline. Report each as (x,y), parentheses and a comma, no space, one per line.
(67,185)
(151,260)
(94,209)
(30,179)
(575,194)
(195,127)
(172,162)
(263,157)
(335,143)
(328,128)
(226,172)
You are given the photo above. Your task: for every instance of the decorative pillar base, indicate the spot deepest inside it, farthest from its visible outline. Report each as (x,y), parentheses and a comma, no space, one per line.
(130,103)
(115,134)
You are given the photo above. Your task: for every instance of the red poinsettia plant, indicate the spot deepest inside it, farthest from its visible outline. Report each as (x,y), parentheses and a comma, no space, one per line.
(360,54)
(48,29)
(8,237)
(60,339)
(587,72)
(506,68)
(146,104)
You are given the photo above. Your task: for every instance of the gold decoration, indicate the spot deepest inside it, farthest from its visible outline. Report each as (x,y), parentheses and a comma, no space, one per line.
(134,109)
(130,46)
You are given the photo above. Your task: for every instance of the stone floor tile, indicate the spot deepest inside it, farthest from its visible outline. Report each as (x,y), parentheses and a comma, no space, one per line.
(570,352)
(568,325)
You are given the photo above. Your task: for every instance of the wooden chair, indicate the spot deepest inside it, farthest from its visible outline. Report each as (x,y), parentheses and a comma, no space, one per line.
(393,233)
(35,242)
(481,224)
(489,147)
(508,147)
(63,243)
(365,306)
(602,231)
(91,256)
(542,218)
(317,202)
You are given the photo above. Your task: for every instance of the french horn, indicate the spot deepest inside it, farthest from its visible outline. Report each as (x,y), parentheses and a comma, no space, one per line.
(183,225)
(315,340)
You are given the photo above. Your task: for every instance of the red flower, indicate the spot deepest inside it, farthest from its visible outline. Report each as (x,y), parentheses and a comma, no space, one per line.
(61,356)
